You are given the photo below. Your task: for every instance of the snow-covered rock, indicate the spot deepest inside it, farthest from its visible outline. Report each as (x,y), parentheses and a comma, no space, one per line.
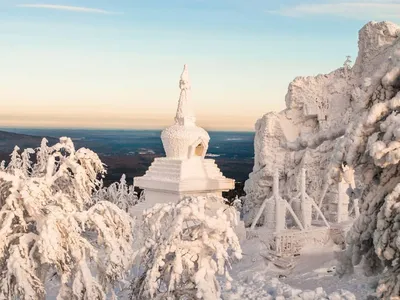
(309,132)
(349,116)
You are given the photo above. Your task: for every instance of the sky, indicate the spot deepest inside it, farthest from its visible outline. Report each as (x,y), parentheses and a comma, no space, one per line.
(116,64)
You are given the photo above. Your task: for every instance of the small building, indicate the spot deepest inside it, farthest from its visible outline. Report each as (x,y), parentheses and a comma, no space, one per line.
(184,171)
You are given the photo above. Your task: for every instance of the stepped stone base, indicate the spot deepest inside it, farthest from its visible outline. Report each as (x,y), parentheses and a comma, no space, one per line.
(169,180)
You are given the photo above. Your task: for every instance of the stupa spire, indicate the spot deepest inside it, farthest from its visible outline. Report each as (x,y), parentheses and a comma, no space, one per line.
(184,112)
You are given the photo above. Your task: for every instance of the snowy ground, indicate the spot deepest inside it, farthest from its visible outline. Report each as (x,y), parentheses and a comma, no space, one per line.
(256,278)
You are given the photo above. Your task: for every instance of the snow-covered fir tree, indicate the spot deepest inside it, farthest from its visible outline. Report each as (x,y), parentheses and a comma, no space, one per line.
(347,63)
(50,226)
(188,244)
(3,165)
(26,163)
(119,193)
(42,154)
(142,196)
(15,161)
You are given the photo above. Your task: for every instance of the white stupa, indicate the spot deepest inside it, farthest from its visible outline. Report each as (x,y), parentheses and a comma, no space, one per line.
(184,171)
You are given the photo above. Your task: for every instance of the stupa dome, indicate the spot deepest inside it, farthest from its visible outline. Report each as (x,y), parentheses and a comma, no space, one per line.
(185,139)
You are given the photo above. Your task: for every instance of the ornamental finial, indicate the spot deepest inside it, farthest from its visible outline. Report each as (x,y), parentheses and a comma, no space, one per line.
(185,113)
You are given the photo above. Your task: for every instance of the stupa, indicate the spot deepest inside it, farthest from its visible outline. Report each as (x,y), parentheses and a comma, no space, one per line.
(184,171)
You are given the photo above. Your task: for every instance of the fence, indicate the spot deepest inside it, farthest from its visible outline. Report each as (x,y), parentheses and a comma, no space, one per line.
(290,242)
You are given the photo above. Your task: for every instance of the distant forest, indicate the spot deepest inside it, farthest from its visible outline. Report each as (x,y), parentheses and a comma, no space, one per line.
(130,165)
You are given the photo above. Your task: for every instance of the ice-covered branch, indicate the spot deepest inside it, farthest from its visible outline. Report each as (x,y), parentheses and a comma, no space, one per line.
(188,245)
(48,223)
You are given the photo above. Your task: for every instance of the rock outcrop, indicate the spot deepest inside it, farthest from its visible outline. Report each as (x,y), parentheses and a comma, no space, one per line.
(351,116)
(319,111)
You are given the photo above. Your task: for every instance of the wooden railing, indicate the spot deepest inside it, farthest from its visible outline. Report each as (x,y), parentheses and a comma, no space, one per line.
(290,242)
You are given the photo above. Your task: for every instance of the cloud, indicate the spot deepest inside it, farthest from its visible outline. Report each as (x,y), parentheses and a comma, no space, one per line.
(69,8)
(349,9)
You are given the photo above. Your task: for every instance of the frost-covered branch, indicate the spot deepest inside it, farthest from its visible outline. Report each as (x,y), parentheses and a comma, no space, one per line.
(372,147)
(189,243)
(50,225)
(119,193)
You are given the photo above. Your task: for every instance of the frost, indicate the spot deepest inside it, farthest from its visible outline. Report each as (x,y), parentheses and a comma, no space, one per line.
(323,113)
(372,147)
(121,194)
(348,119)
(261,286)
(49,226)
(188,245)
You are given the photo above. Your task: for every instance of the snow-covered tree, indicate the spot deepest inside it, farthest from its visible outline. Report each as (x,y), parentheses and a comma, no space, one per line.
(236,203)
(3,165)
(15,161)
(371,146)
(188,244)
(49,225)
(142,196)
(26,163)
(347,62)
(119,193)
(42,154)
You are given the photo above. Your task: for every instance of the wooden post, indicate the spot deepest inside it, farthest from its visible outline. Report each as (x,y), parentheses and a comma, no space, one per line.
(343,201)
(319,212)
(324,191)
(289,208)
(306,209)
(260,211)
(356,208)
(279,214)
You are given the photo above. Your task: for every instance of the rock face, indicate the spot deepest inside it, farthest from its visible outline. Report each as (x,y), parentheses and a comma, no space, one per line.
(319,110)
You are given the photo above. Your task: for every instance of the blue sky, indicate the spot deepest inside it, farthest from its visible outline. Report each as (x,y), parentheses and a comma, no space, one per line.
(117,63)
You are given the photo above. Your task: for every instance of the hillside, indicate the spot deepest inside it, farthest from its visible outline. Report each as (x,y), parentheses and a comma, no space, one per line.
(9,139)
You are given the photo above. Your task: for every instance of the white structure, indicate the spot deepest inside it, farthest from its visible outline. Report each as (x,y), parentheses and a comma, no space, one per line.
(184,171)
(339,210)
(288,241)
(300,208)
(274,210)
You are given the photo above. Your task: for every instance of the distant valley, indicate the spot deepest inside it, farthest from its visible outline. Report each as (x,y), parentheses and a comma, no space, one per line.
(131,152)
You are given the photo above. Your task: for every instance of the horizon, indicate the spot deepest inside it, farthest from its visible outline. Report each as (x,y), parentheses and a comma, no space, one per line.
(117,65)
(5,128)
